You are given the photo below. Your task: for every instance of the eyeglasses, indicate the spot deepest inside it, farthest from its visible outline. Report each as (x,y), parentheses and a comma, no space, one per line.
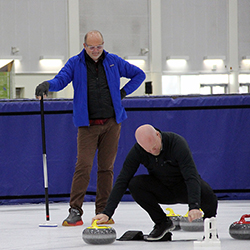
(98,47)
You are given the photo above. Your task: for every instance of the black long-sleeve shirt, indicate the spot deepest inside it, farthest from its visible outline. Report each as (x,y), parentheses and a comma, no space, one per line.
(173,165)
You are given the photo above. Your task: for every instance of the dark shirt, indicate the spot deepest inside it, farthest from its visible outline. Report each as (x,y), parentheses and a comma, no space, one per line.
(100,104)
(172,166)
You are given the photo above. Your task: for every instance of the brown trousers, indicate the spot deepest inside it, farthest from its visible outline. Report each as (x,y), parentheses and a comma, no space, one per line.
(103,138)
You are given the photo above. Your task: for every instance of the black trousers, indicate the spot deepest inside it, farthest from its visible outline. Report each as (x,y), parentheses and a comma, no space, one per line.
(149,192)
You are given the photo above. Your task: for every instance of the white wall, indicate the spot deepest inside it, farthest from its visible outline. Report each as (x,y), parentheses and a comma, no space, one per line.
(194,28)
(186,27)
(29,82)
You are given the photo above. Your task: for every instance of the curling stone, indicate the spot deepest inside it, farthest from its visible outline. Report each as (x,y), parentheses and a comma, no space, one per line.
(194,226)
(240,229)
(174,217)
(98,235)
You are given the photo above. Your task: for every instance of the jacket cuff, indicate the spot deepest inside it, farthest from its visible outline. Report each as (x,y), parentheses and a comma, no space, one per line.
(194,206)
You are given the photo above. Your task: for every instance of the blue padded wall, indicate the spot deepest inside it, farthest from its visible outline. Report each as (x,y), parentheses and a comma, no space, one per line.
(216,128)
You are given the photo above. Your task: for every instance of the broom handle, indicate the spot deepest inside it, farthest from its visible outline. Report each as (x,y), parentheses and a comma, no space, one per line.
(45,172)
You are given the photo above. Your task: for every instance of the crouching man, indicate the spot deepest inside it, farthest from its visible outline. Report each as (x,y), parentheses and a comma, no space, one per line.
(172,178)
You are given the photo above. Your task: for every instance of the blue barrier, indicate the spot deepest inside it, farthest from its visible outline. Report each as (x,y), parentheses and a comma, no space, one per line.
(216,128)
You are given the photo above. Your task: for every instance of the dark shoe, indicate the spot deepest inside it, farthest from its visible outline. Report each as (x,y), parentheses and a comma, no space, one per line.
(74,218)
(160,230)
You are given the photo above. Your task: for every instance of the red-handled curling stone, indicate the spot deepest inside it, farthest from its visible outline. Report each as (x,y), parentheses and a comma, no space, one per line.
(98,235)
(194,226)
(240,230)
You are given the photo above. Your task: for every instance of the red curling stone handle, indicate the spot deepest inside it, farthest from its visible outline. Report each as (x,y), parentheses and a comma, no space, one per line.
(242,219)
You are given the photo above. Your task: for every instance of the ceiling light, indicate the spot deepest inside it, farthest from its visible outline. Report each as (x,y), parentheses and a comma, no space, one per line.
(177,61)
(214,60)
(246,59)
(7,59)
(138,61)
(51,61)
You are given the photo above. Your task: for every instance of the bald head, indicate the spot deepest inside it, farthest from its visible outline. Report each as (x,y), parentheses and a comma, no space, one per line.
(149,139)
(93,34)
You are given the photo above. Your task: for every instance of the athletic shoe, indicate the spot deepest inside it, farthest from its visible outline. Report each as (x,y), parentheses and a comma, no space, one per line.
(160,230)
(74,218)
(110,221)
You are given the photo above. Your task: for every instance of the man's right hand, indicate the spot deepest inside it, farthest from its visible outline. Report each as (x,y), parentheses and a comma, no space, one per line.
(42,89)
(194,214)
(101,218)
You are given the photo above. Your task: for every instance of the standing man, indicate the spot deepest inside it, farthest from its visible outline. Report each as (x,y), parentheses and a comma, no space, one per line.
(98,113)
(172,178)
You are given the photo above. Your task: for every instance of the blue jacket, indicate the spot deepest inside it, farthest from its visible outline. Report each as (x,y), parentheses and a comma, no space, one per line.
(75,70)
